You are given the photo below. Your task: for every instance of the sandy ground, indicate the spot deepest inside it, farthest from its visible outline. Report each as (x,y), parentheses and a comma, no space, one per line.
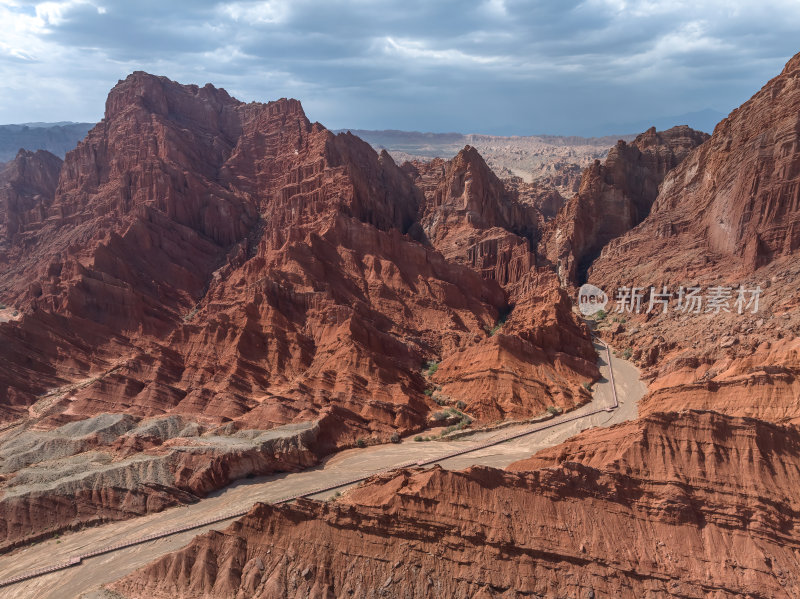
(84,580)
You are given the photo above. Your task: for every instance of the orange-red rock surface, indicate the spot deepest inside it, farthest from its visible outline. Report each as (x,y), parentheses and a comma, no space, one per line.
(28,185)
(727,216)
(242,268)
(676,505)
(529,355)
(696,499)
(613,198)
(205,256)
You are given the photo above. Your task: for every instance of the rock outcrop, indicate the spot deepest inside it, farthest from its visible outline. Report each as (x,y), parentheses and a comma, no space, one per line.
(27,188)
(471,218)
(527,358)
(728,217)
(689,505)
(613,198)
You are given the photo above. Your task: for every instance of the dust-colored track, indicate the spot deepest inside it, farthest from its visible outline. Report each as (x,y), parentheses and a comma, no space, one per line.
(94,556)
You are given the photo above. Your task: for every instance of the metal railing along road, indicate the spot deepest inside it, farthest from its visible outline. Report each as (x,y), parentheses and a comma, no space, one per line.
(76,560)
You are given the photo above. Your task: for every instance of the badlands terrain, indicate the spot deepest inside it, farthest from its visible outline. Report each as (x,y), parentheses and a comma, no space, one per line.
(550,160)
(205,291)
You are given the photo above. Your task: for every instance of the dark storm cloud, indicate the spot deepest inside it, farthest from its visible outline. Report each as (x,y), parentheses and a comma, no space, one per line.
(492,66)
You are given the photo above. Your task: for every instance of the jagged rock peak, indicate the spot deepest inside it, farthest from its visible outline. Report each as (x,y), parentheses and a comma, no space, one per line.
(160,95)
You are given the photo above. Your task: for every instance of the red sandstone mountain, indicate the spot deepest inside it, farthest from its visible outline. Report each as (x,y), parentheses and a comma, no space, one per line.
(229,259)
(613,198)
(473,219)
(728,216)
(690,505)
(236,266)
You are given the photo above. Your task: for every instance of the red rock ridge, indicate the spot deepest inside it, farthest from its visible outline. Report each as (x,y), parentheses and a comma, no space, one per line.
(234,261)
(27,186)
(728,215)
(527,360)
(472,219)
(689,505)
(613,198)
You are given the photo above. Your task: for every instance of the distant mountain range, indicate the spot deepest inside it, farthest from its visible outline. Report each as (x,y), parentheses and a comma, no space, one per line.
(701,120)
(532,157)
(58,138)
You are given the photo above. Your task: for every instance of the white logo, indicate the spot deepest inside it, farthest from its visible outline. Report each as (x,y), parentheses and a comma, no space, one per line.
(591,299)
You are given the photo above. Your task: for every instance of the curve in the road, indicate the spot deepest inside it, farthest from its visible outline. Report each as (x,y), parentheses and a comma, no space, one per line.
(76,560)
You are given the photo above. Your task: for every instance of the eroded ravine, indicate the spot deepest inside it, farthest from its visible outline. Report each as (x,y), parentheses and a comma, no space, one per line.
(341,467)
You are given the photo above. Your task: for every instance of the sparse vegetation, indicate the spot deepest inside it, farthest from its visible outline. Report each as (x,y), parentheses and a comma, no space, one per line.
(361,443)
(191,314)
(553,410)
(440,400)
(2,306)
(429,392)
(627,353)
(431,367)
(395,438)
(418,438)
(464,420)
(460,404)
(15,313)
(600,315)
(500,322)
(587,386)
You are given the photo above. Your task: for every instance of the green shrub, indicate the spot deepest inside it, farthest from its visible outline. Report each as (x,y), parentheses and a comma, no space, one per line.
(601,315)
(587,386)
(2,306)
(16,313)
(431,367)
(395,438)
(418,438)
(460,404)
(361,443)
(627,353)
(429,392)
(553,410)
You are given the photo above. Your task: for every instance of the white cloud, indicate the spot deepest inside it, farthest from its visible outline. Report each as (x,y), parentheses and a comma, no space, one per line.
(421,51)
(272,11)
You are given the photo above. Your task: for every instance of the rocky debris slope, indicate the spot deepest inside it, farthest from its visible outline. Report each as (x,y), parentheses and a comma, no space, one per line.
(689,505)
(116,466)
(727,218)
(613,198)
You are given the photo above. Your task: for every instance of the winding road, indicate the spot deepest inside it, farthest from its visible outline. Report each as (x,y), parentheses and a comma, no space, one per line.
(118,548)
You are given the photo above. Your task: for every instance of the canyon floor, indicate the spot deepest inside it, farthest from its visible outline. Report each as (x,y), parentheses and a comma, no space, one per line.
(85,580)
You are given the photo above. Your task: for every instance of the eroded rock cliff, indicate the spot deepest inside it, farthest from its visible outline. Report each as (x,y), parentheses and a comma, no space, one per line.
(613,198)
(689,505)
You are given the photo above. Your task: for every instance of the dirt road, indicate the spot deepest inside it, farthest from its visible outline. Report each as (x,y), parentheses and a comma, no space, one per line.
(84,579)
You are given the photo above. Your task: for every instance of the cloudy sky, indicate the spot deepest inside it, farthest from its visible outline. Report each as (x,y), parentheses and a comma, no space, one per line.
(491,66)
